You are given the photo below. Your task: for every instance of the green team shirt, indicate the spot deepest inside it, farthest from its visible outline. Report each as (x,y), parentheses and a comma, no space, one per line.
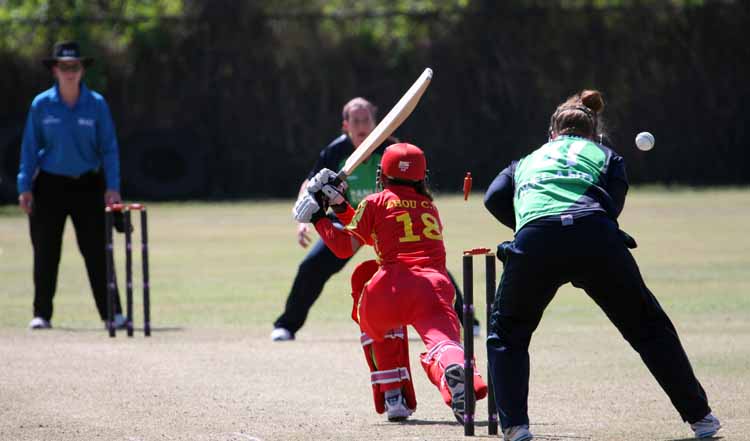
(559,179)
(362,181)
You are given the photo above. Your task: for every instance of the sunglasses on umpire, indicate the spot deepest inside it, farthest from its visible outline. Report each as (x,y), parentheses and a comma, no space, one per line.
(69,67)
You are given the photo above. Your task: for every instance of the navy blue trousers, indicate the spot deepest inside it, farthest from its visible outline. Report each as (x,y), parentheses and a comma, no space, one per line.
(591,255)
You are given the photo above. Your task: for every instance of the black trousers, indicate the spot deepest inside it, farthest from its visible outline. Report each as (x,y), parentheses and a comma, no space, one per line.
(313,273)
(55,198)
(591,255)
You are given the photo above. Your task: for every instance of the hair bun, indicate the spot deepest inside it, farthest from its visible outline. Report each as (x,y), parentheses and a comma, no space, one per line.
(593,100)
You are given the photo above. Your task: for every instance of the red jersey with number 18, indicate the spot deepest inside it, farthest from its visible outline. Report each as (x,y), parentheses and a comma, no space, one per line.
(403,226)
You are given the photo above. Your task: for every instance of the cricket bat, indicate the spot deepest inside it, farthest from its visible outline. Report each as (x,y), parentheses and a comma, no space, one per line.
(387,125)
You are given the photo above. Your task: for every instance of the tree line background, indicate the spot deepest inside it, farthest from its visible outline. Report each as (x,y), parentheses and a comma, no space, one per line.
(231,99)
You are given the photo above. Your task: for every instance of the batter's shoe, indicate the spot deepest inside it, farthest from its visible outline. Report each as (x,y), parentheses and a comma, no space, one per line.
(707,427)
(396,408)
(454,379)
(281,334)
(517,433)
(39,323)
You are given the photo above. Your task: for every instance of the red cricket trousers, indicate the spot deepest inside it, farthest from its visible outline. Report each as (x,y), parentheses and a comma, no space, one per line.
(399,295)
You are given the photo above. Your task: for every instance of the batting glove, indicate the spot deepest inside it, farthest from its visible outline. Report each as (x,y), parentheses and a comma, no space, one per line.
(323,177)
(334,195)
(308,209)
(304,208)
(323,182)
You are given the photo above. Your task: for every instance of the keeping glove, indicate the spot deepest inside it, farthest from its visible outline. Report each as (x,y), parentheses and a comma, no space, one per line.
(503,251)
(308,208)
(628,240)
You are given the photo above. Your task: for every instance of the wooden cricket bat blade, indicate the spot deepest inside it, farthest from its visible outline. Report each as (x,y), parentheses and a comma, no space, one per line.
(388,125)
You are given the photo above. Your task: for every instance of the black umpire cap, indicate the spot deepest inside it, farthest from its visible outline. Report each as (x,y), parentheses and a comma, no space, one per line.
(67,51)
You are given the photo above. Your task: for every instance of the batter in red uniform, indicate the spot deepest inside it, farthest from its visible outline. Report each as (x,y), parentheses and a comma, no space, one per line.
(410,284)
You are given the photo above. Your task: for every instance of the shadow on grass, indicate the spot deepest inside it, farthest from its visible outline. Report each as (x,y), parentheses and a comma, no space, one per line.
(418,422)
(540,436)
(692,438)
(347,339)
(119,331)
(338,340)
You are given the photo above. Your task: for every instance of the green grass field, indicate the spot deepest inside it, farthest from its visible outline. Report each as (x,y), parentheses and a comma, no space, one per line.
(226,268)
(231,264)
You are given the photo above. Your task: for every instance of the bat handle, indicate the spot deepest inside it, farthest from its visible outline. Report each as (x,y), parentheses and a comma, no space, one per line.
(340,177)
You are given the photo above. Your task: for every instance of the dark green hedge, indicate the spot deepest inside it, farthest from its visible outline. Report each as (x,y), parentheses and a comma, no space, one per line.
(234,102)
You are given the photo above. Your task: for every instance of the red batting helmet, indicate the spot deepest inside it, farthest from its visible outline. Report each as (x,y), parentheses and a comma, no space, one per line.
(404,161)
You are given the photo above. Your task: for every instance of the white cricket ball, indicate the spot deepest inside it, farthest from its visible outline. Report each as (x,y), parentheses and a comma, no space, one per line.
(644,141)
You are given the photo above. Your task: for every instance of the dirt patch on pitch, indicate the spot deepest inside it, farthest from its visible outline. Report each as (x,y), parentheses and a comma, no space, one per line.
(230,385)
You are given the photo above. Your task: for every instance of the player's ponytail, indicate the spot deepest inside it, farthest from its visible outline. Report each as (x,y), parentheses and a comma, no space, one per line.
(593,100)
(579,115)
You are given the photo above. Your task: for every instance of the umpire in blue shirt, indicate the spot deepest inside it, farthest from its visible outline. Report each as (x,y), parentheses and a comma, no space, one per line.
(69,167)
